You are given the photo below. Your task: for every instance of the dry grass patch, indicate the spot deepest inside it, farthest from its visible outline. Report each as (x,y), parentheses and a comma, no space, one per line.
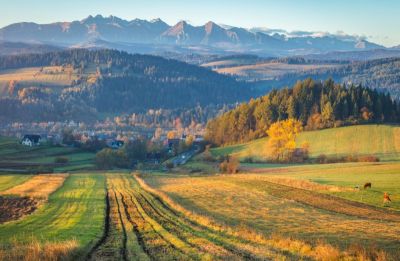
(40,186)
(275,246)
(268,208)
(270,69)
(33,251)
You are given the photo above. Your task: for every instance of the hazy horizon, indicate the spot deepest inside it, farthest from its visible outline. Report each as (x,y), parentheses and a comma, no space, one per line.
(370,19)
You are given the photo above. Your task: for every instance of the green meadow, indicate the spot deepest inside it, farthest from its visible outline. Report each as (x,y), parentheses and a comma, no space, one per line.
(74,212)
(382,141)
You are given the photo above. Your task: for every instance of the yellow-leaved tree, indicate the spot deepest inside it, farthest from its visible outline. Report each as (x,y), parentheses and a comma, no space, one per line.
(282,138)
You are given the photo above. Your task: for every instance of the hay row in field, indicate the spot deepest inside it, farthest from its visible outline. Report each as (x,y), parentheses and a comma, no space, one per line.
(40,186)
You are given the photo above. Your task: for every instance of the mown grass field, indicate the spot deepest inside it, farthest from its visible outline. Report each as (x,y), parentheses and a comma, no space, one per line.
(382,141)
(54,77)
(257,202)
(182,217)
(51,76)
(385,177)
(75,212)
(269,70)
(145,224)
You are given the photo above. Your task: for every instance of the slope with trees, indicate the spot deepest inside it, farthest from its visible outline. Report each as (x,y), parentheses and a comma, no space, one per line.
(315,104)
(107,81)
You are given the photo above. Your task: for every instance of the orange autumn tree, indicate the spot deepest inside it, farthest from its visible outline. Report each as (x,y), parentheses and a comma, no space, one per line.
(282,138)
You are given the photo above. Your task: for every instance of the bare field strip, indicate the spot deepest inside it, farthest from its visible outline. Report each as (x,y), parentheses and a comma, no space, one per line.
(12,208)
(40,186)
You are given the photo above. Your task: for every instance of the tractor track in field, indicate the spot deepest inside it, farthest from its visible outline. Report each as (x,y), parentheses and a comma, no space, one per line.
(106,232)
(140,226)
(175,224)
(180,228)
(135,227)
(134,200)
(125,237)
(163,220)
(97,251)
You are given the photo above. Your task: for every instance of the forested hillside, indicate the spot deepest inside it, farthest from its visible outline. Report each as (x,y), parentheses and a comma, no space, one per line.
(380,74)
(79,84)
(316,104)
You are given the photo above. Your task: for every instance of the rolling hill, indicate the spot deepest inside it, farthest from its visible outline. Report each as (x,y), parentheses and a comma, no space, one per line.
(344,67)
(382,141)
(80,84)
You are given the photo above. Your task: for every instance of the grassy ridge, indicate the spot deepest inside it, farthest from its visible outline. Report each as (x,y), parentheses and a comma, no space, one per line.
(74,212)
(380,140)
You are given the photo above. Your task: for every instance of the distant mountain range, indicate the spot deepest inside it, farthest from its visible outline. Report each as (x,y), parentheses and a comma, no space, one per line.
(156,36)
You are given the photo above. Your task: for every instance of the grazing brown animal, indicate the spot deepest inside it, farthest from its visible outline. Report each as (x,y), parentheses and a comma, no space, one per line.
(367,185)
(386,198)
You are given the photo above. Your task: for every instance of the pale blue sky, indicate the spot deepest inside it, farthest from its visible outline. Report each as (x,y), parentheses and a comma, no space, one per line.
(379,20)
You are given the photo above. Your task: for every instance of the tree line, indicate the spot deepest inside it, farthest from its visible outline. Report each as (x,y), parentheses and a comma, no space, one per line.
(315,104)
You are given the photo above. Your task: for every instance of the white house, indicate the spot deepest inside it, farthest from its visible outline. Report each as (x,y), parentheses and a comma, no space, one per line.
(31,140)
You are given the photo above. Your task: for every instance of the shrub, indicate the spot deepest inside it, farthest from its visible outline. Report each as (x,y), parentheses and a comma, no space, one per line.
(368,158)
(248,160)
(108,158)
(223,166)
(230,166)
(61,160)
(41,169)
(233,166)
(322,159)
(169,165)
(207,156)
